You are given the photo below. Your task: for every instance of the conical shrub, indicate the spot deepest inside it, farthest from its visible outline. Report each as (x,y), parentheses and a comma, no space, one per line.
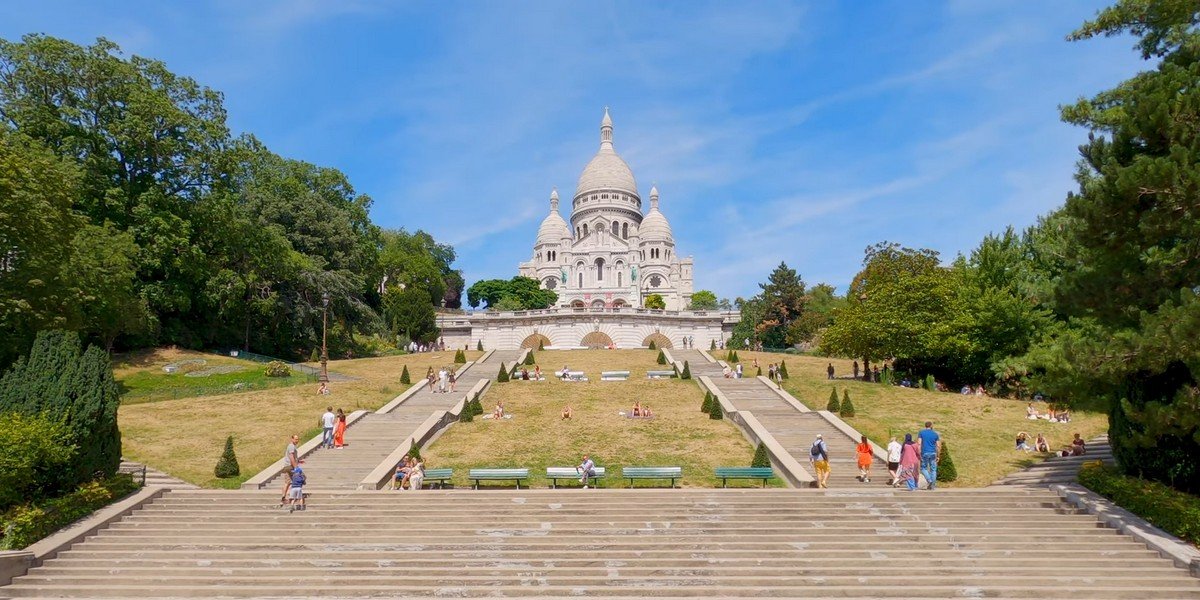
(712,345)
(946,469)
(414,449)
(652,346)
(687,371)
(314,357)
(759,373)
(227,466)
(930,383)
(405,378)
(761,457)
(476,405)
(706,406)
(783,369)
(662,358)
(833,406)
(502,376)
(460,357)
(715,411)
(468,413)
(847,405)
(479,346)
(529,359)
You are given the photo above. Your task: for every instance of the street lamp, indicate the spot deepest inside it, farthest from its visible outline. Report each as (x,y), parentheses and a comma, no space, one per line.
(324,378)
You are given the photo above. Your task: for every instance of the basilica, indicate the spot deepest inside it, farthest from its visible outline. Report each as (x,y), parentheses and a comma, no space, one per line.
(610,254)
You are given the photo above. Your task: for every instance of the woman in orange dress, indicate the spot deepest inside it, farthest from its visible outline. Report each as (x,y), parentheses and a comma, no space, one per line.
(339,430)
(864,460)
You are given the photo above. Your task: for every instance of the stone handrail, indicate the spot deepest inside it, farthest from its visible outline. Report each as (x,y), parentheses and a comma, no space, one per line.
(845,428)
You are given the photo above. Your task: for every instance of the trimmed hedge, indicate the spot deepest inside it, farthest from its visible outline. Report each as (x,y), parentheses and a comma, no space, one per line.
(28,523)
(714,410)
(946,471)
(1176,512)
(529,359)
(502,376)
(761,458)
(662,358)
(847,408)
(833,405)
(405,378)
(687,371)
(278,368)
(783,369)
(706,406)
(227,466)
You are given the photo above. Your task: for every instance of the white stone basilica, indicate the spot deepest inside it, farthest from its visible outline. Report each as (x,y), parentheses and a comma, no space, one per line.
(611,255)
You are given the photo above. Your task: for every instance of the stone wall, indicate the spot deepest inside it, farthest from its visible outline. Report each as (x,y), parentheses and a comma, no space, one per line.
(574,328)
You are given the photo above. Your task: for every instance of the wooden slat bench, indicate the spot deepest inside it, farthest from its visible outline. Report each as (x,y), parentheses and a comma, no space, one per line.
(632,473)
(556,473)
(514,475)
(441,476)
(660,374)
(727,473)
(614,375)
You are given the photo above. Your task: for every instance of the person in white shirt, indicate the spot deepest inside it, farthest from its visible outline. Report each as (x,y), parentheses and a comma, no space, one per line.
(327,422)
(893,461)
(586,469)
(739,371)
(443,376)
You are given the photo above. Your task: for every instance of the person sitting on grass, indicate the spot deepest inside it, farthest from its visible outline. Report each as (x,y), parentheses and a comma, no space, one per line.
(498,412)
(646,411)
(1078,446)
(566,413)
(637,408)
(402,471)
(1023,442)
(1041,444)
(1031,413)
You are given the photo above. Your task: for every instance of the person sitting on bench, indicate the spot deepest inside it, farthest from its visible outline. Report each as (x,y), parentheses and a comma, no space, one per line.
(586,469)
(537,373)
(564,373)
(524,374)
(402,471)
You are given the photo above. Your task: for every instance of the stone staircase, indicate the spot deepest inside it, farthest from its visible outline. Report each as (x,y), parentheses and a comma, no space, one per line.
(154,477)
(869,543)
(370,440)
(1060,469)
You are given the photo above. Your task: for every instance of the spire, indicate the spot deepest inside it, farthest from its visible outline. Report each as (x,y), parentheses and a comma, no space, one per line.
(554,200)
(606,129)
(653,197)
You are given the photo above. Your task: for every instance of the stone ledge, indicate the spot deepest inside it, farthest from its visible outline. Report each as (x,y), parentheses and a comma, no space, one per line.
(779,391)
(15,563)
(844,427)
(64,538)
(260,479)
(1183,554)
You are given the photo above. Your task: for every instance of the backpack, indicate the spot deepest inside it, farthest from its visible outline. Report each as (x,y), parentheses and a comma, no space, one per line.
(818,451)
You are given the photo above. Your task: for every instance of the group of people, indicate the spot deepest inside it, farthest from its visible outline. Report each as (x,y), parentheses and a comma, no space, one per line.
(732,372)
(409,473)
(293,478)
(527,375)
(1078,447)
(868,375)
(333,428)
(906,462)
(689,341)
(1051,414)
(445,380)
(641,410)
(438,346)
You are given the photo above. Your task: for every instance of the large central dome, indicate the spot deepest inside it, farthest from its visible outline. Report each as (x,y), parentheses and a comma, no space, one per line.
(606,170)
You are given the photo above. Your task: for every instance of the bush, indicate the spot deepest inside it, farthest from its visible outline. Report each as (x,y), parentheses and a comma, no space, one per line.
(930,383)
(278,368)
(468,413)
(29,523)
(662,358)
(783,369)
(761,458)
(405,378)
(652,346)
(885,377)
(847,405)
(414,449)
(715,411)
(687,371)
(476,405)
(712,345)
(529,359)
(541,345)
(479,346)
(502,376)
(946,469)
(314,357)
(706,406)
(833,406)
(227,466)
(34,446)
(759,373)
(1174,511)
(460,357)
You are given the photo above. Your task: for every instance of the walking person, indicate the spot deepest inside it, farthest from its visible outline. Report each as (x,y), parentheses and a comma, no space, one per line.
(339,430)
(829,371)
(818,455)
(443,379)
(931,451)
(865,456)
(327,422)
(910,463)
(291,459)
(893,461)
(856,369)
(431,379)
(453,381)
(586,470)
(296,493)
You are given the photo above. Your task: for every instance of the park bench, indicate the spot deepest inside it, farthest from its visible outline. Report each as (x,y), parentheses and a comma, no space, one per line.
(514,475)
(573,376)
(727,473)
(441,476)
(632,473)
(660,374)
(556,473)
(614,375)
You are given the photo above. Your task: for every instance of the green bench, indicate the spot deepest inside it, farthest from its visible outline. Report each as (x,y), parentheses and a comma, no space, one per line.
(556,473)
(671,473)
(439,475)
(727,473)
(660,374)
(514,475)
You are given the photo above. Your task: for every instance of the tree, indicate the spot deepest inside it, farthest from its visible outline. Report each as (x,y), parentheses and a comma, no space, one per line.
(762,458)
(946,471)
(847,408)
(502,376)
(706,406)
(529,358)
(654,301)
(405,378)
(687,371)
(703,300)
(227,466)
(36,446)
(662,358)
(783,298)
(518,293)
(410,313)
(1134,246)
(834,406)
(714,410)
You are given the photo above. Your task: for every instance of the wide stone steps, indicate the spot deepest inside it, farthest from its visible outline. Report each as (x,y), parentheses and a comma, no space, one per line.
(1060,469)
(875,543)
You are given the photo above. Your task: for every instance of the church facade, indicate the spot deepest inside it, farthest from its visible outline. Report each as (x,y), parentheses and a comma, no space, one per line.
(610,254)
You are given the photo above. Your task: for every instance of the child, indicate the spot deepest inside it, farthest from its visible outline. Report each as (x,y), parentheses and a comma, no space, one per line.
(296,493)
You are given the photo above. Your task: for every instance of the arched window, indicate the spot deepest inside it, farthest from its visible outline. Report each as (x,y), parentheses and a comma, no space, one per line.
(581,280)
(599,269)
(618,279)
(625,230)
(585,229)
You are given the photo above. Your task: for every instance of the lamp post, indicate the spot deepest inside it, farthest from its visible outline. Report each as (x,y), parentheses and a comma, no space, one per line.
(324,377)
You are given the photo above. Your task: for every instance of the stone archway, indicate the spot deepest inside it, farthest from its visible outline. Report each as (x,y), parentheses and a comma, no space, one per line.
(535,341)
(577,304)
(660,341)
(596,339)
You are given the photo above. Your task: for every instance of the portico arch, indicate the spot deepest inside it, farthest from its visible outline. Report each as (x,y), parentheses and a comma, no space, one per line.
(535,341)
(660,341)
(596,339)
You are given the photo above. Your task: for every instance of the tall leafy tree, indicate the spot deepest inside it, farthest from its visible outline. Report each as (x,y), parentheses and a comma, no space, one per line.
(704,300)
(518,293)
(1135,244)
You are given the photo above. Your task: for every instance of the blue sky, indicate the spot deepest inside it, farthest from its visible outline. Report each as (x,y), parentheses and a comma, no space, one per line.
(791,131)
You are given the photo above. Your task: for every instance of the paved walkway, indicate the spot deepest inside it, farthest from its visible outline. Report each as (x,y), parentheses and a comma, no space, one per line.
(794,429)
(370,440)
(1060,469)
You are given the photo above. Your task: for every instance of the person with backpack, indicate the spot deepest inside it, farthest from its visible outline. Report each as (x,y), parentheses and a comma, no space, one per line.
(296,493)
(819,457)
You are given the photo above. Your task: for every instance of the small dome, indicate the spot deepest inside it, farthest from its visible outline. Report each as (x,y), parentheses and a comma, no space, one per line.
(654,227)
(553,229)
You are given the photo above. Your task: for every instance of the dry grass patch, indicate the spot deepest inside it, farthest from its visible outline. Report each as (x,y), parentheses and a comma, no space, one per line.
(980,430)
(185,437)
(537,437)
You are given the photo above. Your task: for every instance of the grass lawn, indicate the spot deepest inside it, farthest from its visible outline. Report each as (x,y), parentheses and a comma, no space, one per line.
(142,378)
(185,437)
(537,436)
(978,430)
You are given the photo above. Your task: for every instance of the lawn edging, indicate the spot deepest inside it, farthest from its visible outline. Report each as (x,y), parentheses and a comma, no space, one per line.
(1183,554)
(260,479)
